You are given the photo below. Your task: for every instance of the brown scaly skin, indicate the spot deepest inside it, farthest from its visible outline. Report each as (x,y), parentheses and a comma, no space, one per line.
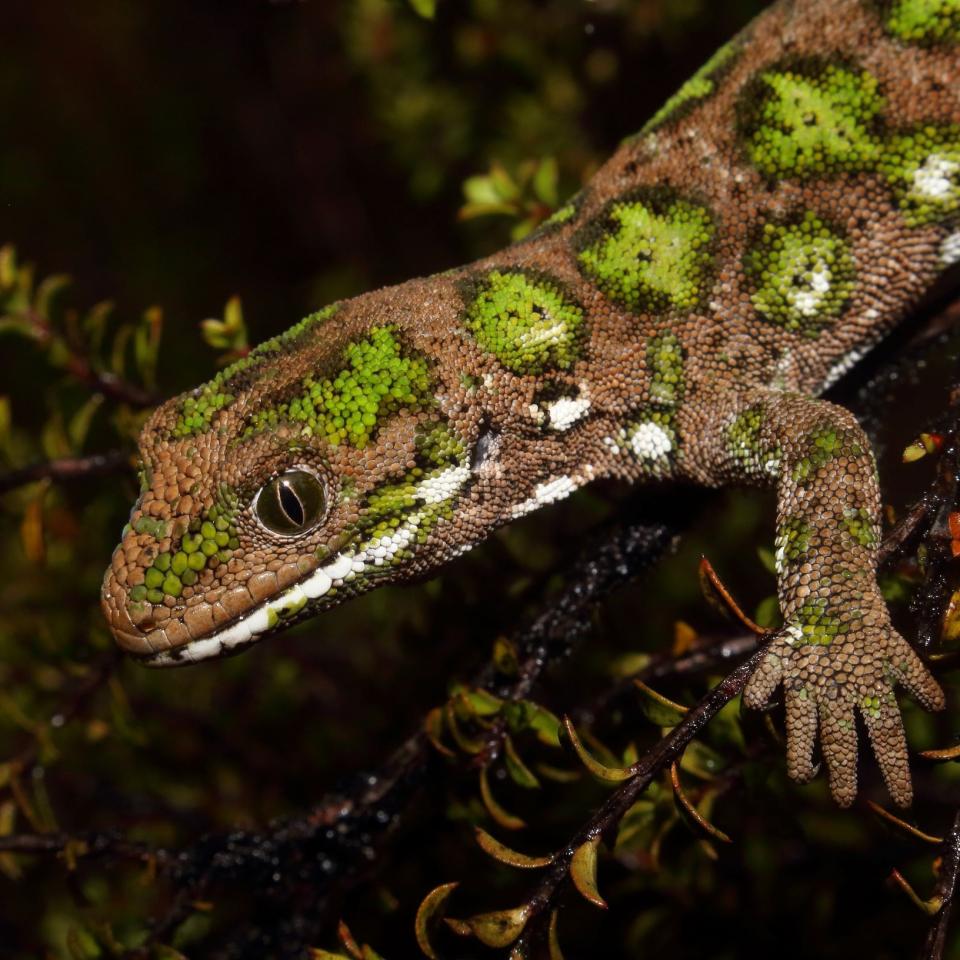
(675,321)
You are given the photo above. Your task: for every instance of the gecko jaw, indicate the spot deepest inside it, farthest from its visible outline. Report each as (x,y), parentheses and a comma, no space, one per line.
(259,622)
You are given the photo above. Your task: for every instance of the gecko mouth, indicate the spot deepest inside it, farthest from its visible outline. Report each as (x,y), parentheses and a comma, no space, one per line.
(260,621)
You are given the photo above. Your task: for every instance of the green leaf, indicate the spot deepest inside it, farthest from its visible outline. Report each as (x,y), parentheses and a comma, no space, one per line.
(425,8)
(599,770)
(500,928)
(79,425)
(430,912)
(768,612)
(490,845)
(519,772)
(657,708)
(583,872)
(545,181)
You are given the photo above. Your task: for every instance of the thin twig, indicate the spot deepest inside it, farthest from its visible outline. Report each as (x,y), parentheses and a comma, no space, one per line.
(656,760)
(67,468)
(935,944)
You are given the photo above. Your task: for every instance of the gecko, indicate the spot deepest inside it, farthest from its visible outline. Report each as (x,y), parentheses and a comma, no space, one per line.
(675,321)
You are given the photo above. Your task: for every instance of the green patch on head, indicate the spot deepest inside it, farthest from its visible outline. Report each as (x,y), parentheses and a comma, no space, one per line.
(700,86)
(439,445)
(824,444)
(859,524)
(803,274)
(925,22)
(923,168)
(377,380)
(649,251)
(209,541)
(811,118)
(528,321)
(198,409)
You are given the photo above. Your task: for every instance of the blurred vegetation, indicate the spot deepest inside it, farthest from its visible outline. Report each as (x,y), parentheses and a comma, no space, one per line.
(190,153)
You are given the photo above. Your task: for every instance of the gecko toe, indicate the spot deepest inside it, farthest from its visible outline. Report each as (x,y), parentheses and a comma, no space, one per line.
(885,729)
(801,735)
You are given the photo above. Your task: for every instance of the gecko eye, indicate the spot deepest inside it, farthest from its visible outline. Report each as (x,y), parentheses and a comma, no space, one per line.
(290,504)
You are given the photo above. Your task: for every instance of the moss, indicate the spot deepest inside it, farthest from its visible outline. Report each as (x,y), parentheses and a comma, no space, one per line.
(527,320)
(802,272)
(650,250)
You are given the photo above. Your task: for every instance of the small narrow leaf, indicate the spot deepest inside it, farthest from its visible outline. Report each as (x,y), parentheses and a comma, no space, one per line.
(519,772)
(433,729)
(691,814)
(505,657)
(500,928)
(425,8)
(480,702)
(594,766)
(553,941)
(429,913)
(908,828)
(348,941)
(657,708)
(506,820)
(32,531)
(583,872)
(946,753)
(930,907)
(490,845)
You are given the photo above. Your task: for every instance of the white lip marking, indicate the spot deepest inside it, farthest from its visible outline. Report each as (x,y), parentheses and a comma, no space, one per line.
(317,584)
(339,568)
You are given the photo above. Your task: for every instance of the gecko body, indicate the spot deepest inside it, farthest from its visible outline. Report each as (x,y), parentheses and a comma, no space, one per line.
(676,320)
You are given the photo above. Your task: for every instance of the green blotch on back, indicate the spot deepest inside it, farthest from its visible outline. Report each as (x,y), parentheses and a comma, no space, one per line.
(527,320)
(378,379)
(649,251)
(151,526)
(924,21)
(803,274)
(700,86)
(811,118)
(198,409)
(923,168)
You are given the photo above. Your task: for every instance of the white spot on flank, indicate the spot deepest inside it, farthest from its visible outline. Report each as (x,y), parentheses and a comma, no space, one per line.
(565,412)
(650,441)
(935,178)
(950,250)
(544,493)
(846,363)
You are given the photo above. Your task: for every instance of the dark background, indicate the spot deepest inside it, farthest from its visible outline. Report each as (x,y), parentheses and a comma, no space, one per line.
(180,152)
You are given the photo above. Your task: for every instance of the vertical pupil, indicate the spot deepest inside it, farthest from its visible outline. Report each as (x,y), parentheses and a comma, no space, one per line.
(290,503)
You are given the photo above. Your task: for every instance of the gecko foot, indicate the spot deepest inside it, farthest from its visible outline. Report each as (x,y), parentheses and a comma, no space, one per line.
(826,684)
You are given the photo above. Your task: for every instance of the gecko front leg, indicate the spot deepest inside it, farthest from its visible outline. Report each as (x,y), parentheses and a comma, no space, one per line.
(837,653)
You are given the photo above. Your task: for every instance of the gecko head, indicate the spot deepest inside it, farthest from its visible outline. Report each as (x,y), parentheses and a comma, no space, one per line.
(329,460)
